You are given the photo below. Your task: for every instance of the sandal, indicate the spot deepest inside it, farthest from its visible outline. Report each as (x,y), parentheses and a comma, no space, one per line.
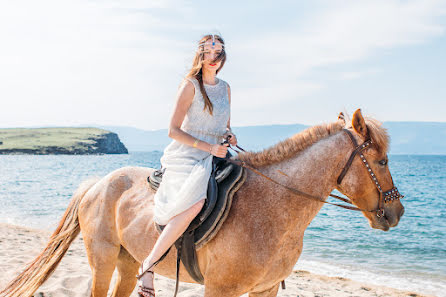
(144,291)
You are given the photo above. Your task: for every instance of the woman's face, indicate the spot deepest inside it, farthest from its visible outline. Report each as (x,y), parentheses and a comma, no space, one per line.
(209,54)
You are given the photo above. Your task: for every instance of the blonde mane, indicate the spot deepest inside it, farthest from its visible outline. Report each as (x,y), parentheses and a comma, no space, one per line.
(300,141)
(378,134)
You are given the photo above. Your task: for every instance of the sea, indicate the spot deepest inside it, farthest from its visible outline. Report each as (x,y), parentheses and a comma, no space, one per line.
(35,191)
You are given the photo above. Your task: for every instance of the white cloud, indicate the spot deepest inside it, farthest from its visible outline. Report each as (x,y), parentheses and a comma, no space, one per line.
(91,57)
(119,62)
(345,32)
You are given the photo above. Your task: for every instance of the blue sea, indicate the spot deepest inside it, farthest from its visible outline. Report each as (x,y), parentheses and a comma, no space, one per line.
(35,191)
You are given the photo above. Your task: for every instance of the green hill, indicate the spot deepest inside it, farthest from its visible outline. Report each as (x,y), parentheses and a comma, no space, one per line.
(73,141)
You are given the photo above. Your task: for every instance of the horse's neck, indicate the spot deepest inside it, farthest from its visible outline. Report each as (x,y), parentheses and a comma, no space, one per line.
(314,171)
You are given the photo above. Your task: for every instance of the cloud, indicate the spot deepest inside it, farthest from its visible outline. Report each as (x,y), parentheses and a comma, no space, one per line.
(354,31)
(102,60)
(120,62)
(344,32)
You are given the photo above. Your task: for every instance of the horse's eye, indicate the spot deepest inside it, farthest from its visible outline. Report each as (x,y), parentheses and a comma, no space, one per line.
(383,162)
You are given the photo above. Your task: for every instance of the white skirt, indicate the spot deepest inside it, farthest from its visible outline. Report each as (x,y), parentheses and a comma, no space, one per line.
(185,179)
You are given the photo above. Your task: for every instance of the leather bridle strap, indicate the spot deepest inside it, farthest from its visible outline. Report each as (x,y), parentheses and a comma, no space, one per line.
(331,195)
(296,191)
(392,194)
(358,148)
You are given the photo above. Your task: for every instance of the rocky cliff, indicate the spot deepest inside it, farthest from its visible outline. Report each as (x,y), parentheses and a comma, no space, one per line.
(55,141)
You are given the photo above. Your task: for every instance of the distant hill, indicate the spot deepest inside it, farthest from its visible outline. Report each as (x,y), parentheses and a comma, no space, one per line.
(140,140)
(52,141)
(422,138)
(250,137)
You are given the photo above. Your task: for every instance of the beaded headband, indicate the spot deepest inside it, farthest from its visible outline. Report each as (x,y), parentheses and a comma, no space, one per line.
(211,43)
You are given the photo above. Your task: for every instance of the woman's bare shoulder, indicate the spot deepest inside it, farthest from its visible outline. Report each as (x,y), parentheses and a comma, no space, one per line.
(187,86)
(190,81)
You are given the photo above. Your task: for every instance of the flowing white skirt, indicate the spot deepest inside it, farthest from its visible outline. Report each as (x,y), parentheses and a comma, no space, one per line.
(186,178)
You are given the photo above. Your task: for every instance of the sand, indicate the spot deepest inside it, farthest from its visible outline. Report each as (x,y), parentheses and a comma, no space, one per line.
(72,277)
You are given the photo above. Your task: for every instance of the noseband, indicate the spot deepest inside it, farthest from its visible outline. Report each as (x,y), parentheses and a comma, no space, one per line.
(384,197)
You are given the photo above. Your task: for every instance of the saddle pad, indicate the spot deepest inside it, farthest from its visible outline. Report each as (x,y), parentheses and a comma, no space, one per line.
(226,190)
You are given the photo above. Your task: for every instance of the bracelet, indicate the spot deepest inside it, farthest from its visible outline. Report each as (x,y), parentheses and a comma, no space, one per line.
(210,149)
(196,143)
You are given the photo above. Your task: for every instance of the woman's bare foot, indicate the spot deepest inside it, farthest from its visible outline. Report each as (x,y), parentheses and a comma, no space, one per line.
(146,288)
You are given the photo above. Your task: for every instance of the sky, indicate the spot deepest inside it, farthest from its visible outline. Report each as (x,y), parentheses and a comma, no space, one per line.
(119,63)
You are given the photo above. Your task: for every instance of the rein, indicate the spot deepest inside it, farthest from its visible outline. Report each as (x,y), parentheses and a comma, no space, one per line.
(384,197)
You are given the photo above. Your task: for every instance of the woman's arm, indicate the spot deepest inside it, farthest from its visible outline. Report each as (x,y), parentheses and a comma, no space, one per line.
(229,99)
(184,100)
(233,139)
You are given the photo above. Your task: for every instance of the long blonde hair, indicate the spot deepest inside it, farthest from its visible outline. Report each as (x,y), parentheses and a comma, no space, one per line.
(197,70)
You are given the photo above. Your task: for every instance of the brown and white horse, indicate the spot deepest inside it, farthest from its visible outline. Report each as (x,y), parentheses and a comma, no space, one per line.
(260,241)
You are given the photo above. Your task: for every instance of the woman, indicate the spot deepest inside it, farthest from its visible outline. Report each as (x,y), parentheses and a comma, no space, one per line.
(201,119)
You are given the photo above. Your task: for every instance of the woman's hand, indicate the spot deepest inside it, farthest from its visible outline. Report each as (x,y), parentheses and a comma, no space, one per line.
(219,150)
(232,139)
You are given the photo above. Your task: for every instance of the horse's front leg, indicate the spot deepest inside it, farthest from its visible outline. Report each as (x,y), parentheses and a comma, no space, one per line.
(271,292)
(222,290)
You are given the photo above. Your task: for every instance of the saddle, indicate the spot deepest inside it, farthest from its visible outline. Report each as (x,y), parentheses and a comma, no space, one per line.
(226,178)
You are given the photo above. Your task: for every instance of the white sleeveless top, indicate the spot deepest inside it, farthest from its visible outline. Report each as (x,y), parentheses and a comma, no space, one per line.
(187,168)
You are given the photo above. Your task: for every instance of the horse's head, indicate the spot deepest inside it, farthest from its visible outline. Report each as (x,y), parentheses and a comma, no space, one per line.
(367,180)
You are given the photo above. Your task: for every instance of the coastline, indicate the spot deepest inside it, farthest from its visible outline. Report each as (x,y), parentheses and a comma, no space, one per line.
(59,141)
(19,245)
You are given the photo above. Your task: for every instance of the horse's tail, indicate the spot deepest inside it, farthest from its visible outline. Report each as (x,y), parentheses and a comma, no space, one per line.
(38,271)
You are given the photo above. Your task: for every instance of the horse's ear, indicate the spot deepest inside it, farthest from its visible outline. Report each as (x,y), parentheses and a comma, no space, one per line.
(358,123)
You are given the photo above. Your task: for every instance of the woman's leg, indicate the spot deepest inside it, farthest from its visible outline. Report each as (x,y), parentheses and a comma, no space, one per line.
(173,230)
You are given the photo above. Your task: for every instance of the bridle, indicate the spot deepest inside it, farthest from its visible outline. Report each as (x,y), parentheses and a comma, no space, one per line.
(384,197)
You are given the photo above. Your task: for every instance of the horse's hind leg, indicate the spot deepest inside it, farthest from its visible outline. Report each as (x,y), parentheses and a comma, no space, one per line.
(102,257)
(271,292)
(127,270)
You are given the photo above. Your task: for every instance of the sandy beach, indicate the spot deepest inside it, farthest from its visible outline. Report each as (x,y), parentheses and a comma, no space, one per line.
(20,245)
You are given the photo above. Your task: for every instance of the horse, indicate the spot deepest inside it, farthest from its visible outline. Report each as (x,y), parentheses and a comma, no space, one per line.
(261,239)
